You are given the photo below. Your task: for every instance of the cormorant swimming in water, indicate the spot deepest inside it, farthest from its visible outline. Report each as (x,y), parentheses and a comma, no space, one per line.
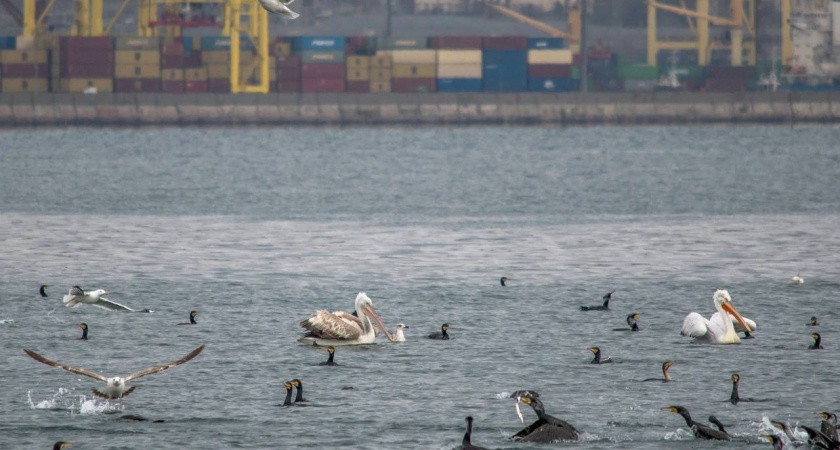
(329,361)
(503,280)
(136,418)
(632,320)
(820,440)
(84,328)
(714,420)
(43,290)
(813,322)
(442,334)
(778,444)
(299,398)
(60,445)
(547,428)
(597,359)
(817,342)
(700,431)
(828,426)
(667,376)
(604,307)
(288,400)
(465,443)
(735,398)
(192,319)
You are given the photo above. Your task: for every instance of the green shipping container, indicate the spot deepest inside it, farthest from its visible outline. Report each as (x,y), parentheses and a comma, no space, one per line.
(576,73)
(639,72)
(686,72)
(322,57)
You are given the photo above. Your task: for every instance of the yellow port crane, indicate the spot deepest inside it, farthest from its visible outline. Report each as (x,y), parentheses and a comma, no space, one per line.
(699,20)
(573,35)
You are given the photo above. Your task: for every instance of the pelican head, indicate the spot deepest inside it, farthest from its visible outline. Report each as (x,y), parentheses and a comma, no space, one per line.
(724,303)
(364,307)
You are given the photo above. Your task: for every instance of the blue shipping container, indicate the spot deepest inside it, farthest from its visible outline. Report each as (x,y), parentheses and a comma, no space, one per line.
(223,43)
(817,88)
(503,71)
(320,43)
(459,85)
(188,44)
(546,43)
(8,42)
(505,84)
(553,85)
(505,57)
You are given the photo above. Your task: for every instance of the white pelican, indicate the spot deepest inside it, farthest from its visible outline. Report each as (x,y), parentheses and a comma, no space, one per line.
(796,279)
(718,329)
(77,297)
(399,336)
(279,7)
(340,328)
(115,387)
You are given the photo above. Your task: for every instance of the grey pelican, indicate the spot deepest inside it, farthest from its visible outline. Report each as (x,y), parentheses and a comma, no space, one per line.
(78,297)
(699,430)
(115,387)
(340,328)
(718,329)
(547,428)
(442,334)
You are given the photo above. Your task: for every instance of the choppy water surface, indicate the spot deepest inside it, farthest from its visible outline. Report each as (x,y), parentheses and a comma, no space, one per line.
(257,228)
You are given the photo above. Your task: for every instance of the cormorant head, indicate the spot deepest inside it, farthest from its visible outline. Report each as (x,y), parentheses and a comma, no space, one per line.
(444,327)
(193,314)
(813,320)
(43,289)
(533,402)
(772,438)
(635,316)
(608,296)
(595,350)
(83,326)
(331,350)
(677,409)
(61,445)
(469,420)
(816,336)
(667,364)
(296,383)
(736,378)
(828,416)
(504,280)
(288,386)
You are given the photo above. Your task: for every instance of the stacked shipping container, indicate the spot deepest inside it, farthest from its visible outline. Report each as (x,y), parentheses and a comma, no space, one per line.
(24,70)
(412,66)
(505,63)
(459,63)
(83,63)
(550,66)
(137,64)
(323,63)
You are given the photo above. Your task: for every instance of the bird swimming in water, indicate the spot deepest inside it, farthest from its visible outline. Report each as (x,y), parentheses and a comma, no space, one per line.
(466,443)
(632,320)
(288,400)
(828,426)
(667,376)
(820,440)
(546,429)
(84,328)
(339,328)
(718,329)
(115,387)
(714,420)
(299,397)
(78,297)
(778,444)
(813,322)
(604,307)
(442,334)
(329,361)
(399,336)
(60,445)
(43,290)
(597,359)
(192,319)
(279,7)
(699,430)
(817,345)
(796,280)
(735,398)
(504,280)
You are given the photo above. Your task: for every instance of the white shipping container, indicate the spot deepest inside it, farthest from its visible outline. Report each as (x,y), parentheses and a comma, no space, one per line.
(550,57)
(459,56)
(459,70)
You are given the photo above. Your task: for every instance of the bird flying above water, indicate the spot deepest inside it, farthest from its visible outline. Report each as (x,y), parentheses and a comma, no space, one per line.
(77,297)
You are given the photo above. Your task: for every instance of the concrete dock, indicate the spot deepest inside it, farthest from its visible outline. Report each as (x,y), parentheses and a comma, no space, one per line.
(348,109)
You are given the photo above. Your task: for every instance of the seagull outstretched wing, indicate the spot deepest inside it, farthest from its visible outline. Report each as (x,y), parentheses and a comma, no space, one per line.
(75,370)
(157,369)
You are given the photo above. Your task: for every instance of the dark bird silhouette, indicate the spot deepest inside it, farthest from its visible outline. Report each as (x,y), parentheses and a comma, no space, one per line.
(597,359)
(466,443)
(442,334)
(603,307)
(547,428)
(813,322)
(633,321)
(699,430)
(504,280)
(330,361)
(192,321)
(666,376)
(43,290)
(84,328)
(817,345)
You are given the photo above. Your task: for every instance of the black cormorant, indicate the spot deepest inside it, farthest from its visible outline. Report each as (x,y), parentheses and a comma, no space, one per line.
(604,307)
(297,384)
(503,280)
(60,445)
(813,322)
(700,431)
(547,428)
(778,444)
(735,398)
(84,328)
(714,420)
(667,376)
(817,342)
(442,334)
(43,290)
(632,320)
(192,319)
(288,400)
(829,424)
(597,359)
(466,443)
(329,361)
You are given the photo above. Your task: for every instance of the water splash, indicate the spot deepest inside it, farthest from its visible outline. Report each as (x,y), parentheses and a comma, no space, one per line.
(7,321)
(681,434)
(65,400)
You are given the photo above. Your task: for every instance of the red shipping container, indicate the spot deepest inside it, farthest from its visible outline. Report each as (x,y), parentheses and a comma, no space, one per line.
(86,71)
(86,43)
(171,86)
(323,85)
(176,48)
(288,86)
(195,86)
(358,86)
(85,57)
(25,70)
(288,74)
(413,84)
(359,45)
(192,60)
(504,43)
(290,62)
(455,42)
(136,85)
(550,71)
(218,85)
(576,59)
(323,71)
(172,62)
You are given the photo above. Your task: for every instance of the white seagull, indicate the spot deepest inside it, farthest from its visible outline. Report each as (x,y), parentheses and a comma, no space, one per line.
(279,7)
(399,336)
(341,328)
(719,328)
(796,279)
(115,387)
(78,297)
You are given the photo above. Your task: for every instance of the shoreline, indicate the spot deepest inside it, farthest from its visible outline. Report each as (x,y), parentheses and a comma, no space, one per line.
(347,109)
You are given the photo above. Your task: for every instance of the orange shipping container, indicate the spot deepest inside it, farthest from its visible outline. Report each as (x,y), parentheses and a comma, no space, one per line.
(137,71)
(380,75)
(23,56)
(415,70)
(12,85)
(80,84)
(380,86)
(172,74)
(137,57)
(356,74)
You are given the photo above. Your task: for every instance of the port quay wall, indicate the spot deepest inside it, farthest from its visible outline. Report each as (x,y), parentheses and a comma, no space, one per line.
(347,109)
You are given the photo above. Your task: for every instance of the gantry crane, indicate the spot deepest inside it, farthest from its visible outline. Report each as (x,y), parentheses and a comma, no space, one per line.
(699,20)
(573,35)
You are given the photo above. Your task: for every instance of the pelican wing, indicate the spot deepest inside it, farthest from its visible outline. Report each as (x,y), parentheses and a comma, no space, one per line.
(326,325)
(740,328)
(75,370)
(349,318)
(111,306)
(157,369)
(697,326)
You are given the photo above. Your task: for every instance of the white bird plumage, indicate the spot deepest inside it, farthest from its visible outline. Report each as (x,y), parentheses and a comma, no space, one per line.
(796,279)
(399,336)
(718,329)
(77,297)
(115,387)
(341,328)
(279,7)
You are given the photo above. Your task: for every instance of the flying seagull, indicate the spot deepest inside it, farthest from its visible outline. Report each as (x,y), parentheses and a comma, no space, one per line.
(279,7)
(77,297)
